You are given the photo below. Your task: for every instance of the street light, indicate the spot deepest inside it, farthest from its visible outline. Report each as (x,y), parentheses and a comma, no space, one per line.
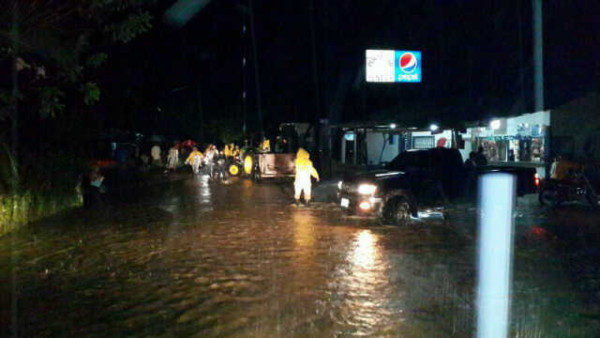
(392,126)
(183,10)
(434,127)
(495,124)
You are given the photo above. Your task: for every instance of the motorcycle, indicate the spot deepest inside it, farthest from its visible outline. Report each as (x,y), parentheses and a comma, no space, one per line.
(578,188)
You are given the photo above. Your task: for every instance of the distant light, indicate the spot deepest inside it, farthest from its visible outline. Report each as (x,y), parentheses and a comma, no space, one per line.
(367,189)
(339,185)
(434,127)
(495,124)
(364,205)
(392,126)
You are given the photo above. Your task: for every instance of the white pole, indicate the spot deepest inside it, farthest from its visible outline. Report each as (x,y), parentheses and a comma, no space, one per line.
(496,204)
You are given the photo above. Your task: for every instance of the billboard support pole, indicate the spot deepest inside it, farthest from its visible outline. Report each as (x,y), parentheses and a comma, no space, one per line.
(256,78)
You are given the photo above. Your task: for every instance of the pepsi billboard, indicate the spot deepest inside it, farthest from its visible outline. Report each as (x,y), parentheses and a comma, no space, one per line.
(393,66)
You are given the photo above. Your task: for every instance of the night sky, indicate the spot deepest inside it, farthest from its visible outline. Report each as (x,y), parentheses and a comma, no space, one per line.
(477,61)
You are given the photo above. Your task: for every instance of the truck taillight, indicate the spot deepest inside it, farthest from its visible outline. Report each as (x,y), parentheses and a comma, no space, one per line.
(536,179)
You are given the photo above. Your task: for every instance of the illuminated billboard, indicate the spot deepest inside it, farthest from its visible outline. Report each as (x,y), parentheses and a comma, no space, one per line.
(393,65)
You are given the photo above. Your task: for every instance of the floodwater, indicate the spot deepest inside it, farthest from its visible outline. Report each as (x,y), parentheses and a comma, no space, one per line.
(195,258)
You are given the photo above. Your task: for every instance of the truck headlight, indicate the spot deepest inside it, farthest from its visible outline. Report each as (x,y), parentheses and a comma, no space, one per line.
(367,189)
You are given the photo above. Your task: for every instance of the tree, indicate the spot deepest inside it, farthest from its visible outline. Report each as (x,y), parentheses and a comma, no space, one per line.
(66,40)
(54,50)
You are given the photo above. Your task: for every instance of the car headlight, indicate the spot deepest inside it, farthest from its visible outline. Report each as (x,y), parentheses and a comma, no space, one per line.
(340,185)
(367,189)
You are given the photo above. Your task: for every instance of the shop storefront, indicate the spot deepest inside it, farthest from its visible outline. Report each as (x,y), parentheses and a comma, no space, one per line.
(521,140)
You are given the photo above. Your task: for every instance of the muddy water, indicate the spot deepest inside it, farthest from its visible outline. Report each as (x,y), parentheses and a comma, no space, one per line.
(192,258)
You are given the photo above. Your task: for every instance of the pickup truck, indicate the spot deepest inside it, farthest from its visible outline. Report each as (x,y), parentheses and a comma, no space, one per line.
(419,182)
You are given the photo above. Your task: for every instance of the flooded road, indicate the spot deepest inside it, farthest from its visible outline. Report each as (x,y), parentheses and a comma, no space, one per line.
(194,258)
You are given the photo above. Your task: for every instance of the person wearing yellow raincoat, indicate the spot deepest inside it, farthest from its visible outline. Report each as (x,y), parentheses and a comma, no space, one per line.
(227,151)
(194,160)
(235,152)
(304,171)
(265,145)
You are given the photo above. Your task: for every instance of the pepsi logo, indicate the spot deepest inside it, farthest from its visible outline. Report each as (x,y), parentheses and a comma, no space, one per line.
(408,62)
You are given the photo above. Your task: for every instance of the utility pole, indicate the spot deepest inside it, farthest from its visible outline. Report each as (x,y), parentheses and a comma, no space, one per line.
(523,105)
(538,76)
(256,78)
(313,40)
(538,56)
(244,75)
(317,114)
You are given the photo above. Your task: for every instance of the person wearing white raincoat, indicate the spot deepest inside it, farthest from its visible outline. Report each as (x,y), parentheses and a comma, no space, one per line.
(155,153)
(304,171)
(173,158)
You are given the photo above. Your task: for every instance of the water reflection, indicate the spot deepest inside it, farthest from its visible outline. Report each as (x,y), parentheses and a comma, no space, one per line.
(205,193)
(365,253)
(247,189)
(171,205)
(364,287)
(304,235)
(247,263)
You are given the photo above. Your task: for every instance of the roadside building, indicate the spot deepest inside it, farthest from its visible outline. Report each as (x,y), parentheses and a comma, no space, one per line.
(535,139)
(517,141)
(375,144)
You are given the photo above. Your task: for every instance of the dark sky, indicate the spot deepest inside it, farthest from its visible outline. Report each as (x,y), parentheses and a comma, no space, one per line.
(477,58)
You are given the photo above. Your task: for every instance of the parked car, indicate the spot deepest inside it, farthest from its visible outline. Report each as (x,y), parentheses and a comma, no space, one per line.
(419,180)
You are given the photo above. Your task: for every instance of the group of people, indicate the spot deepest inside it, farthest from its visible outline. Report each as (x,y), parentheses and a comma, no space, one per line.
(305,170)
(196,159)
(476,159)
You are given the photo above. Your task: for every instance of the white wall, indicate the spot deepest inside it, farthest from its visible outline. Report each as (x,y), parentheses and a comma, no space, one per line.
(445,133)
(374,142)
(540,118)
(468,145)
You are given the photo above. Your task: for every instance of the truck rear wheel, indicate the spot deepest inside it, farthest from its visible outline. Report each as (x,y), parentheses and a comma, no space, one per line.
(548,197)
